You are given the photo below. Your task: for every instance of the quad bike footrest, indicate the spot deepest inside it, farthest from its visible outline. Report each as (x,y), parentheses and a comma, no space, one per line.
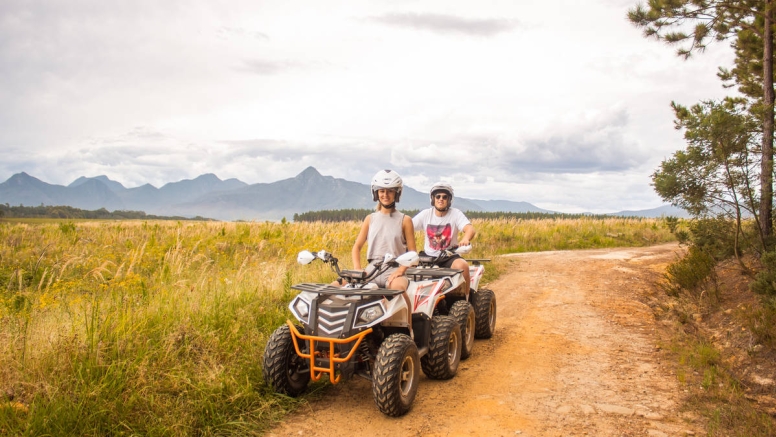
(317,371)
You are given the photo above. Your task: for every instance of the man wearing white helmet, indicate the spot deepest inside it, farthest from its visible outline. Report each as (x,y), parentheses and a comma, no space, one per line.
(441,225)
(386,230)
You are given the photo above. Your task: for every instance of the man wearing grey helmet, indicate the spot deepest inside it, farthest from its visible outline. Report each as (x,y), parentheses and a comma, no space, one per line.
(441,225)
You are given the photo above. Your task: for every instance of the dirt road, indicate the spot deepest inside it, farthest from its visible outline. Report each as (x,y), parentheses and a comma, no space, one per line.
(575,353)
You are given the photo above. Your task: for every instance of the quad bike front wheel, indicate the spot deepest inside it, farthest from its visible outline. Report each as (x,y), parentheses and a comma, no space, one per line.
(484,302)
(463,312)
(444,354)
(284,370)
(396,375)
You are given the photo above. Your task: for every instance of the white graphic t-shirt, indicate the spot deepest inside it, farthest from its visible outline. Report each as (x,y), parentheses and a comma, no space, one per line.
(440,232)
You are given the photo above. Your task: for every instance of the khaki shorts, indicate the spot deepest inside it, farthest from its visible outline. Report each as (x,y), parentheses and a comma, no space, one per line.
(382,277)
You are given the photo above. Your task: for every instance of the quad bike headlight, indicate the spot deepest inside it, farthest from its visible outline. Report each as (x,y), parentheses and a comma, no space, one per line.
(301,309)
(368,314)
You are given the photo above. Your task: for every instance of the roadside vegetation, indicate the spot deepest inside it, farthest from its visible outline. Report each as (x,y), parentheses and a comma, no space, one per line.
(724,291)
(157,327)
(723,331)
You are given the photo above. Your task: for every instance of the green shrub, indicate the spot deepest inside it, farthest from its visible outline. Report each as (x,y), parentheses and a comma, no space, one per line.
(764,282)
(691,273)
(714,236)
(67,227)
(672,223)
(678,228)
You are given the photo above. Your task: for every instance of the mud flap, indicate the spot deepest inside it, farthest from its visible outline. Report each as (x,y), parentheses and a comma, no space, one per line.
(421,329)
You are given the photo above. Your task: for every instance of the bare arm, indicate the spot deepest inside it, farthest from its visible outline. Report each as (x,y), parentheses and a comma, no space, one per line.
(408,230)
(468,235)
(409,236)
(359,244)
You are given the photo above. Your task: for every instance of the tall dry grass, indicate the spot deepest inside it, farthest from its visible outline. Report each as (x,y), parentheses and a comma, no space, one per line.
(157,328)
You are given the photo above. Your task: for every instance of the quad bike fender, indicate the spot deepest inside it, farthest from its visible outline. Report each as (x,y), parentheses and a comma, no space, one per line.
(424,295)
(475,275)
(421,330)
(453,278)
(398,312)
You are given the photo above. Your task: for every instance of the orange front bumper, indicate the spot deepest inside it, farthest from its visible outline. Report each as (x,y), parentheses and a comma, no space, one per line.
(315,371)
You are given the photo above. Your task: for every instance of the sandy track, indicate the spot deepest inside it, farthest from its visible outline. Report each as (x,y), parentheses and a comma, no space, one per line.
(575,353)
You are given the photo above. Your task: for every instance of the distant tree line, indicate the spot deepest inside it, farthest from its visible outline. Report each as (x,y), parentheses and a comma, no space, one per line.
(68,212)
(534,215)
(339,215)
(344,215)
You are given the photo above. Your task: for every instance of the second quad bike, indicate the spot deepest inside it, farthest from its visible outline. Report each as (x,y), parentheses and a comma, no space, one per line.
(475,310)
(355,328)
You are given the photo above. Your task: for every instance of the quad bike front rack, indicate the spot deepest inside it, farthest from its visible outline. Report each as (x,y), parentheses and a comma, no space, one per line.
(333,357)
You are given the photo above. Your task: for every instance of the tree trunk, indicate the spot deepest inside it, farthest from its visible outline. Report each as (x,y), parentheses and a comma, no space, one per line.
(766,176)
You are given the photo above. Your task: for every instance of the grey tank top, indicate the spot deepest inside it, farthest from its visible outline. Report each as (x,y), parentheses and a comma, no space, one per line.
(385,235)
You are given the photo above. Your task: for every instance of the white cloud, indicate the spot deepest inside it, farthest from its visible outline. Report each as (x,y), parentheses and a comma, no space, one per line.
(444,23)
(571,111)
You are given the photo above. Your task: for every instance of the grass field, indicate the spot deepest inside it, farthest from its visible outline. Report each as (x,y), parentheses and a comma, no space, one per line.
(157,328)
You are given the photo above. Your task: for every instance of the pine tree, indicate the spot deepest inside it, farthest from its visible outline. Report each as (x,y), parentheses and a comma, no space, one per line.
(695,23)
(716,174)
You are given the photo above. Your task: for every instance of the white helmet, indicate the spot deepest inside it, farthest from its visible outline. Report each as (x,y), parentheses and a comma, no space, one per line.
(385,179)
(443,187)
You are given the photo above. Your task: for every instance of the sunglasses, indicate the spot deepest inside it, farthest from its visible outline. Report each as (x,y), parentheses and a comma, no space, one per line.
(441,196)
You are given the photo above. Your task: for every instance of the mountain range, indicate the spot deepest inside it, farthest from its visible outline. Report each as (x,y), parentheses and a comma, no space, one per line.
(232,199)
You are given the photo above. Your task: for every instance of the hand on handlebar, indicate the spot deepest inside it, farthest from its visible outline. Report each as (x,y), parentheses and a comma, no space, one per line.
(396,274)
(392,276)
(463,248)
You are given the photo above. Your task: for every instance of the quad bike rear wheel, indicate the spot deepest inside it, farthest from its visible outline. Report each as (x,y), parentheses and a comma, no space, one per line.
(444,354)
(284,370)
(484,302)
(463,312)
(396,375)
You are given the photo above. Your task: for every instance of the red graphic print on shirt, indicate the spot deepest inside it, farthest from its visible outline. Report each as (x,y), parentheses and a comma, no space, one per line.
(439,236)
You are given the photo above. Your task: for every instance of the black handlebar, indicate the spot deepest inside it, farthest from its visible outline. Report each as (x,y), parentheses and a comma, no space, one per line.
(444,255)
(373,270)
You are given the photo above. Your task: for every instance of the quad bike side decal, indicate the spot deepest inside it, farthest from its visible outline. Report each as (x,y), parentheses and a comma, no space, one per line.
(476,271)
(425,293)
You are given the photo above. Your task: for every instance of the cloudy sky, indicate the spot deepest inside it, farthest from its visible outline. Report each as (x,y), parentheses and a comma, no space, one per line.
(560,103)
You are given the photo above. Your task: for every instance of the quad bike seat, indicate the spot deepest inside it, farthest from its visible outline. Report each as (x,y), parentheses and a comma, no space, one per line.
(426,259)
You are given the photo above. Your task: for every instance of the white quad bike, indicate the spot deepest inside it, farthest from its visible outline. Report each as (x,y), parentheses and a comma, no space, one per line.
(383,335)
(476,312)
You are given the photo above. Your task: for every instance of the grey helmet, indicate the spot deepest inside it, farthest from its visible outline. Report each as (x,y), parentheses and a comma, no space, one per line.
(445,188)
(386,179)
